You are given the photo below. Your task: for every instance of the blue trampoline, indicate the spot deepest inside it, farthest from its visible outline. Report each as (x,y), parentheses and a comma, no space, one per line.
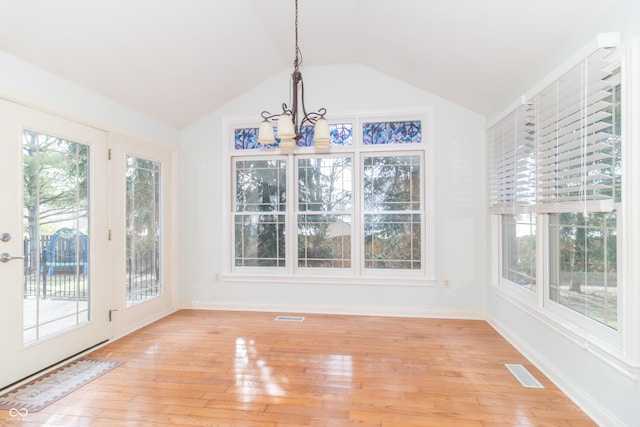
(66,250)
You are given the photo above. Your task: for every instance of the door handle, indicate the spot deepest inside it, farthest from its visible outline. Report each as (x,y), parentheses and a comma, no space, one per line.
(5,237)
(5,257)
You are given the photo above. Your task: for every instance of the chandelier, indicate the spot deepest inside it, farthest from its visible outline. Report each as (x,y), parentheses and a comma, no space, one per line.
(290,122)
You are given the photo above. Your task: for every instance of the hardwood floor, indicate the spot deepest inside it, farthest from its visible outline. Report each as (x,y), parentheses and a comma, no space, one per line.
(212,368)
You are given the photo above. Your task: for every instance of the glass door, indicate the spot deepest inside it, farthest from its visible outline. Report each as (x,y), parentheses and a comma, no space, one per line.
(54,297)
(143,224)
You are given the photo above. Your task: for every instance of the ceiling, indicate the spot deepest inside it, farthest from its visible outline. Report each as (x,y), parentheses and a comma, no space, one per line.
(178,60)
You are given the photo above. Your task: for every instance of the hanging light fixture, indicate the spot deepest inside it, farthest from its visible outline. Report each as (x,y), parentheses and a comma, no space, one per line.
(290,122)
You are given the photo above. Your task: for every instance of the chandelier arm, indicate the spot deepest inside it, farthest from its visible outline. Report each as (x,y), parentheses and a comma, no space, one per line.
(268,116)
(314,115)
(305,117)
(296,78)
(285,109)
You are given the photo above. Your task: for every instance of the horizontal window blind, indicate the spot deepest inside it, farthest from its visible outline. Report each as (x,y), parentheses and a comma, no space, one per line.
(558,152)
(512,162)
(575,139)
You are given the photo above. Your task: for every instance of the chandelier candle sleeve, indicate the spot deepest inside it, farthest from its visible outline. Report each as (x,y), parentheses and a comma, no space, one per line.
(265,133)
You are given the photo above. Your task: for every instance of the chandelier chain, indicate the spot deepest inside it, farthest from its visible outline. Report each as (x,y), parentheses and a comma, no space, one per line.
(296,62)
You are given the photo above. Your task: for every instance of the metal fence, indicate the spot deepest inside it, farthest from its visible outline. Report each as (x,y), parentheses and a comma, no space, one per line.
(54,274)
(62,273)
(143,278)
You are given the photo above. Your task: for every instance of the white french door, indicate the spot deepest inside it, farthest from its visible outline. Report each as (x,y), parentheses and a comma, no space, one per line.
(143,232)
(87,232)
(54,249)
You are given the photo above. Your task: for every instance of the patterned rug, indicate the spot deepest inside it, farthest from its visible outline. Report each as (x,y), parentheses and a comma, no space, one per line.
(50,387)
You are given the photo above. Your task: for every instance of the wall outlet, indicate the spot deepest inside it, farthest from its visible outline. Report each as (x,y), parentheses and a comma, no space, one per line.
(217,277)
(446,283)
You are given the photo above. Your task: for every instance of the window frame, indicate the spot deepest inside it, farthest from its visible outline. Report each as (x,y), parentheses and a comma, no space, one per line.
(356,274)
(297,212)
(365,271)
(611,345)
(566,314)
(234,213)
(532,289)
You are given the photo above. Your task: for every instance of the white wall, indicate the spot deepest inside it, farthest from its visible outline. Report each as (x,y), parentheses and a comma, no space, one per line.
(459,203)
(623,17)
(609,391)
(34,87)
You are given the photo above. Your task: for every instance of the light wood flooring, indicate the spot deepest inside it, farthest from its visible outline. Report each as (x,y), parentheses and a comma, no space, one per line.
(240,369)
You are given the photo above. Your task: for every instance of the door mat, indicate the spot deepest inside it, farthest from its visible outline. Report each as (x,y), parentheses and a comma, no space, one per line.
(45,390)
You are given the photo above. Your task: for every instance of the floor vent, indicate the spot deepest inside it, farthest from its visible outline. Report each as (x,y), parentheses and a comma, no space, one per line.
(290,318)
(525,378)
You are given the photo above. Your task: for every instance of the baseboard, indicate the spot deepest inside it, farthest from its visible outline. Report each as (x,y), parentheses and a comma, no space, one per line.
(141,324)
(355,311)
(601,415)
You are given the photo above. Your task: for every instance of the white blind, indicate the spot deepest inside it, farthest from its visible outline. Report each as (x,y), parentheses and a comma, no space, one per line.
(576,144)
(558,152)
(512,162)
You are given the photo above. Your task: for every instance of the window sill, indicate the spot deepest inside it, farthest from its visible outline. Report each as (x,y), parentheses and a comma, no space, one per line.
(607,350)
(328,280)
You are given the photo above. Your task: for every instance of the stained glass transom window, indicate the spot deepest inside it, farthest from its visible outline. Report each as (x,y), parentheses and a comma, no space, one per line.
(405,132)
(247,138)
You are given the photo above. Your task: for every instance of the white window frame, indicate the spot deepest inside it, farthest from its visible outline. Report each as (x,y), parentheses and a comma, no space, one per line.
(618,347)
(312,271)
(356,275)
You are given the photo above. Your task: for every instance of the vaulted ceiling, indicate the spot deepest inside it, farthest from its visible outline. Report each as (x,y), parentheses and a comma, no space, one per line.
(177,60)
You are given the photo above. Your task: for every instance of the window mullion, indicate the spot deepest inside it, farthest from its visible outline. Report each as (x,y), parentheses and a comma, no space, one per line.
(357,244)
(542,258)
(291,218)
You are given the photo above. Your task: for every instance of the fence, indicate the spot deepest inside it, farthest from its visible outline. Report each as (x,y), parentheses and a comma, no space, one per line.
(143,278)
(62,273)
(54,274)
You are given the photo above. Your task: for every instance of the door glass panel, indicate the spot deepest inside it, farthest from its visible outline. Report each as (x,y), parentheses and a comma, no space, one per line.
(56,235)
(143,230)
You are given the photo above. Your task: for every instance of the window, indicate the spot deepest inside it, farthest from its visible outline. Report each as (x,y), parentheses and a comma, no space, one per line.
(519,249)
(583,267)
(143,230)
(556,160)
(356,209)
(325,212)
(259,219)
(392,212)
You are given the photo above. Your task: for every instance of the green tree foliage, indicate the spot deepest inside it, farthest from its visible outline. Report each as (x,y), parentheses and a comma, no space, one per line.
(143,213)
(55,184)
(324,192)
(392,191)
(259,228)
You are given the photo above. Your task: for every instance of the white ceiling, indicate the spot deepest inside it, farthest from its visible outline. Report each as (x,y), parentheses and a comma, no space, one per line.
(177,60)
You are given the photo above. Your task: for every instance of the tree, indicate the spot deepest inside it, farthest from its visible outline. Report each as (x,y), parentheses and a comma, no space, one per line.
(143,214)
(55,184)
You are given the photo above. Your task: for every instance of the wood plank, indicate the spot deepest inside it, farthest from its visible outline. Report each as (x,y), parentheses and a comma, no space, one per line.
(230,369)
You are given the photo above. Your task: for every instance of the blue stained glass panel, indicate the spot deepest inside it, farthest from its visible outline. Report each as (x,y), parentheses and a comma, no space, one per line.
(247,138)
(307,136)
(341,134)
(408,132)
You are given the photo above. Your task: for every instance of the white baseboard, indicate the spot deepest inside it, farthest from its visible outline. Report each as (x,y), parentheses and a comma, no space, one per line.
(356,311)
(598,413)
(141,324)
